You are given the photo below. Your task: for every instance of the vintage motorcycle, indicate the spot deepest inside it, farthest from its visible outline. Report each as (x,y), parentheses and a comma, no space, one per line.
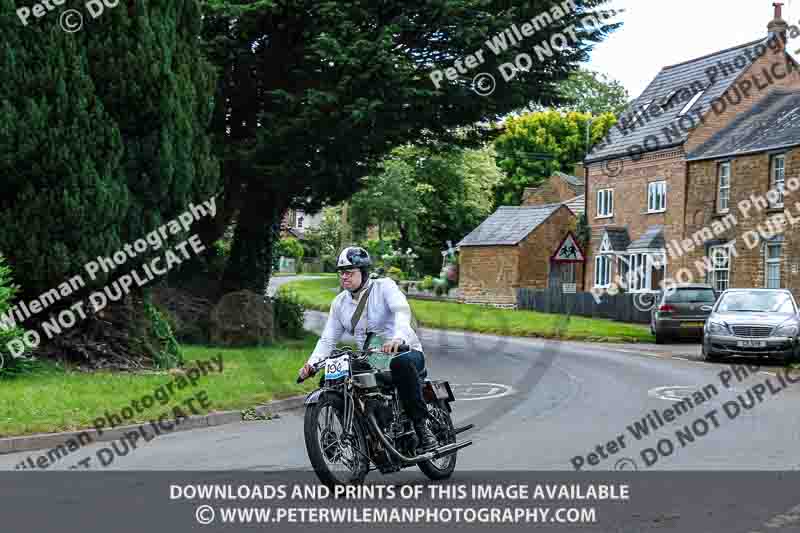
(354,422)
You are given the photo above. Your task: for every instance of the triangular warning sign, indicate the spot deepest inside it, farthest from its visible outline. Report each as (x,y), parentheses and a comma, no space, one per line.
(568,251)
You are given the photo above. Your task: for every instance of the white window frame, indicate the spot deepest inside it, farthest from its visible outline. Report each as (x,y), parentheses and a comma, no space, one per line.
(657,196)
(605,206)
(724,191)
(777,176)
(715,282)
(639,274)
(602,271)
(768,261)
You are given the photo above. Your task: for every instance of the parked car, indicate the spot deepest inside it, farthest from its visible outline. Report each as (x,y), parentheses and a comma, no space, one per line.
(682,312)
(762,322)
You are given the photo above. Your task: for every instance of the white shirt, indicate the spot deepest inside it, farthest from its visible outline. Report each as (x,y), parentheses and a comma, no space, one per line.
(387,314)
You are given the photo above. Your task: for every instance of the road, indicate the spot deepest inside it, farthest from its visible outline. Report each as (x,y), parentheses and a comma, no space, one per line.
(536,404)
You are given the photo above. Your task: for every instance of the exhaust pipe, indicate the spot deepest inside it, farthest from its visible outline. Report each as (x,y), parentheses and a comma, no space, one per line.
(433,454)
(462,429)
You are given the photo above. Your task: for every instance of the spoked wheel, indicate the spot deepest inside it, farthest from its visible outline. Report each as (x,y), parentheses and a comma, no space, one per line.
(337,458)
(442,426)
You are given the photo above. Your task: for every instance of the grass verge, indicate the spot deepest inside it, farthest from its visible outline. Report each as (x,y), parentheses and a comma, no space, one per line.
(54,399)
(318,294)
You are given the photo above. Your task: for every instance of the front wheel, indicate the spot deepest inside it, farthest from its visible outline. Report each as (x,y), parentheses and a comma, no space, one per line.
(337,459)
(442,426)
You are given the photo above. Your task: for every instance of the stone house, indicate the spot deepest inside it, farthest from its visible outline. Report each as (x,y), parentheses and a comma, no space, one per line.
(639,188)
(559,188)
(512,249)
(742,207)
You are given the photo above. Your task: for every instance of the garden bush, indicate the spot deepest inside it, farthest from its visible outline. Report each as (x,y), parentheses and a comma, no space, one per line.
(10,365)
(288,315)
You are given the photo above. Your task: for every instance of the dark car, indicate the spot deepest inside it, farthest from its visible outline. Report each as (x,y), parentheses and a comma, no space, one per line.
(761,322)
(681,312)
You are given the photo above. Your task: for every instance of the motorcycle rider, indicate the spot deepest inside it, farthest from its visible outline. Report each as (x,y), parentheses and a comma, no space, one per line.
(389,316)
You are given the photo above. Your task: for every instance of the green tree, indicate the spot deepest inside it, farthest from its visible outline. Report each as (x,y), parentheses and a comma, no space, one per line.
(534,146)
(587,91)
(64,192)
(323,240)
(103,137)
(428,195)
(315,95)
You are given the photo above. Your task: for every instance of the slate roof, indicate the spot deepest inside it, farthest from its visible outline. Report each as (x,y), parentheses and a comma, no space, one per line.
(686,78)
(652,238)
(577,204)
(575,184)
(618,238)
(509,225)
(771,124)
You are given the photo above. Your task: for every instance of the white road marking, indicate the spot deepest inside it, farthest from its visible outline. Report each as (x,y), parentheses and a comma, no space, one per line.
(491,394)
(672,393)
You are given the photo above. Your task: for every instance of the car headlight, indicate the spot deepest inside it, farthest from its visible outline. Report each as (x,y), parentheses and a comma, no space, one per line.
(717,327)
(786,330)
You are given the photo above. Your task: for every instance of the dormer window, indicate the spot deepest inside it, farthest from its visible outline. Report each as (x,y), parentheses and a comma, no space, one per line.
(691,102)
(640,113)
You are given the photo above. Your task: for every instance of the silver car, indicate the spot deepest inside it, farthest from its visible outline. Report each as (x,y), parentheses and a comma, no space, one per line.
(761,322)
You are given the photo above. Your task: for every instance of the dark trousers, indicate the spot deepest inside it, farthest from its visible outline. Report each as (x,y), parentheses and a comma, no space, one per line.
(405,373)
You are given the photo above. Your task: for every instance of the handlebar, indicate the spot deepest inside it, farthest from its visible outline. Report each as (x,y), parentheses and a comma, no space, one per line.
(358,355)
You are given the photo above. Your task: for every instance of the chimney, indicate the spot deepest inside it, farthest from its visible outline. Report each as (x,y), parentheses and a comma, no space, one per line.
(777,25)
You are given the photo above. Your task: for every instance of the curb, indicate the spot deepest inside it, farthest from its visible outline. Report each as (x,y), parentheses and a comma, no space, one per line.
(218,418)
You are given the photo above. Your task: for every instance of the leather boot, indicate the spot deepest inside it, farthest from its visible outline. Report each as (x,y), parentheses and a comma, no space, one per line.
(427,440)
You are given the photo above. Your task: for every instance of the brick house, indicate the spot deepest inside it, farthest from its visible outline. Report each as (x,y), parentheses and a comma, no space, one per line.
(738,196)
(512,249)
(639,179)
(559,188)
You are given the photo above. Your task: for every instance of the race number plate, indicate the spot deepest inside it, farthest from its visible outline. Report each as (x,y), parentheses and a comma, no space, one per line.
(337,368)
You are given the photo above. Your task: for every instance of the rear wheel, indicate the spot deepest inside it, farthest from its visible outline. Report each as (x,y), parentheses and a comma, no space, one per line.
(337,459)
(441,425)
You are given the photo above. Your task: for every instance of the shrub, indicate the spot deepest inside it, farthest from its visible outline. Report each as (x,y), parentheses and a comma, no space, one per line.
(396,274)
(287,312)
(427,283)
(329,263)
(168,352)
(291,247)
(10,365)
(402,260)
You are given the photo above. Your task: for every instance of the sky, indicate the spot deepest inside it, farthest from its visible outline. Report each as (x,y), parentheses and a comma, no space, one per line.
(658,34)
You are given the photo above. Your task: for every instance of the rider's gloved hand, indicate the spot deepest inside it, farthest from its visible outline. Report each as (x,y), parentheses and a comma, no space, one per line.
(306,371)
(392,346)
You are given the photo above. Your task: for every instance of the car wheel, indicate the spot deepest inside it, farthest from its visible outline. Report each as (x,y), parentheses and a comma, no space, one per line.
(707,355)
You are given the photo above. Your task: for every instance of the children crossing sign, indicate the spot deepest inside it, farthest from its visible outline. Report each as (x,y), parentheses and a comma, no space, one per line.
(568,251)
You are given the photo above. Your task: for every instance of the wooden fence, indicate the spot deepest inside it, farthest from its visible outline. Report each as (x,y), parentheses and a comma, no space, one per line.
(622,307)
